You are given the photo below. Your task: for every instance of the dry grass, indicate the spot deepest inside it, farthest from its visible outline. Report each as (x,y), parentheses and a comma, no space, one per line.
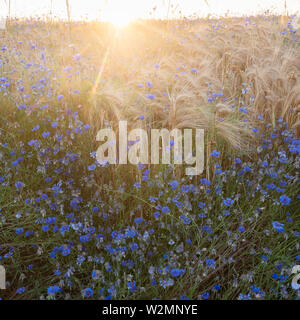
(230,56)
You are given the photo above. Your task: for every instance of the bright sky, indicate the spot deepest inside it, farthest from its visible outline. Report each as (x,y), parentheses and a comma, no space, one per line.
(126,10)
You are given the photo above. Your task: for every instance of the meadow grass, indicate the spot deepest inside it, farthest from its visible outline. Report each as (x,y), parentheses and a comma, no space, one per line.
(73,229)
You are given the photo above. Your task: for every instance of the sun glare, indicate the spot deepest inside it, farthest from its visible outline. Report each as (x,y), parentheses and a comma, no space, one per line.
(119,20)
(121,12)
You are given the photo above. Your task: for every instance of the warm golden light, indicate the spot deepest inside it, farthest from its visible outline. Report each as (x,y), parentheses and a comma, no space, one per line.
(122,12)
(118,19)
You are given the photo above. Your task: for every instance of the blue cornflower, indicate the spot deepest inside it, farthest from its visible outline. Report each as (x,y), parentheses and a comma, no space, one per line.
(237,161)
(149,84)
(66,252)
(228,202)
(88,292)
(177,272)
(205,295)
(80,259)
(165,209)
(95,274)
(201,205)
(133,246)
(92,167)
(215,153)
(265,164)
(285,200)
(34,143)
(211,263)
(278,226)
(46,134)
(46,228)
(77,57)
(138,220)
(174,184)
(131,286)
(150,96)
(19,184)
(185,220)
(156,214)
(260,117)
(52,290)
(185,188)
(244,110)
(205,181)
(95,209)
(85,238)
(21,290)
(145,178)
(226,212)
(19,230)
(137,185)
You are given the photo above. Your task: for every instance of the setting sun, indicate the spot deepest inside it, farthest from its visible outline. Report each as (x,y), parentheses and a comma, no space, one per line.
(118,19)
